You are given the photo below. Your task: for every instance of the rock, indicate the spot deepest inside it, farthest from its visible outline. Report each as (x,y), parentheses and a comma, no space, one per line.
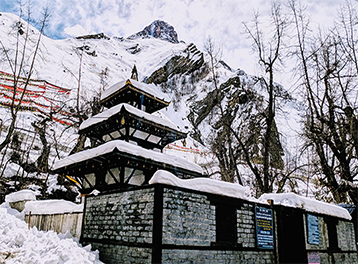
(94,36)
(158,29)
(189,61)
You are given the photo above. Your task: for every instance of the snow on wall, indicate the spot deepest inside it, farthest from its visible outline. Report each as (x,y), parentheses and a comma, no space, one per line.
(19,244)
(200,184)
(310,205)
(20,196)
(52,207)
(238,191)
(128,148)
(115,109)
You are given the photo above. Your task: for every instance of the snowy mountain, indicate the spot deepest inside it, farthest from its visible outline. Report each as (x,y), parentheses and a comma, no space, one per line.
(87,65)
(158,29)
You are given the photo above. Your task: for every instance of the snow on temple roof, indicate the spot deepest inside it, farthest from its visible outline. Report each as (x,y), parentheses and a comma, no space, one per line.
(200,184)
(53,207)
(310,205)
(147,88)
(116,109)
(131,149)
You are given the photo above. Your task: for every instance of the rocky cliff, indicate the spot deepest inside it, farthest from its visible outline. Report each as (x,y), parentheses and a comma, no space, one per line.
(158,29)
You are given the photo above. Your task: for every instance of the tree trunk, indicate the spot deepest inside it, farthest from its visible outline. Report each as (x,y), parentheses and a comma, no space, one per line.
(42,160)
(80,144)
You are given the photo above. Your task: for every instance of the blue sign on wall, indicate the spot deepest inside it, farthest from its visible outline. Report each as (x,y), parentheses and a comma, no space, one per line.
(264,228)
(312,230)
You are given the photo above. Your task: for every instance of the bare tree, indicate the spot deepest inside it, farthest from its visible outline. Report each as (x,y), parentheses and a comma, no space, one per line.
(222,144)
(79,111)
(269,54)
(243,128)
(22,63)
(328,72)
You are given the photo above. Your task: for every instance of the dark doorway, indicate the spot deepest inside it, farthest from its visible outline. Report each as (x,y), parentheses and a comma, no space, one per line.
(226,225)
(291,236)
(332,233)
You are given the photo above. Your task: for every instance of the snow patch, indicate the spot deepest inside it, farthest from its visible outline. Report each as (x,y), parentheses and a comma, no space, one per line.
(52,207)
(12,211)
(20,245)
(200,184)
(95,192)
(52,185)
(12,169)
(310,205)
(23,195)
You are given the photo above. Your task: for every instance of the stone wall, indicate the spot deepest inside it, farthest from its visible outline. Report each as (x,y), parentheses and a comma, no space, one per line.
(216,257)
(188,219)
(345,236)
(345,239)
(120,225)
(189,231)
(172,225)
(338,258)
(246,226)
(110,253)
(346,243)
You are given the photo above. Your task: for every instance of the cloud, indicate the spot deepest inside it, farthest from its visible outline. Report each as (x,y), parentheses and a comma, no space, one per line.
(75,31)
(194,20)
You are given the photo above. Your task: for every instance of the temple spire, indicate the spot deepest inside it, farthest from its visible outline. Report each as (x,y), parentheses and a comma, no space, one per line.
(134,75)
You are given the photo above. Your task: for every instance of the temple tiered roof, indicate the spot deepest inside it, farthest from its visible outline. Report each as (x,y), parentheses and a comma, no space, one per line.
(126,141)
(118,153)
(126,148)
(134,93)
(126,122)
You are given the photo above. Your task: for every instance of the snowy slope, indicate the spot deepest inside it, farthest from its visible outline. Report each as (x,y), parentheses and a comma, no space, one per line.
(59,60)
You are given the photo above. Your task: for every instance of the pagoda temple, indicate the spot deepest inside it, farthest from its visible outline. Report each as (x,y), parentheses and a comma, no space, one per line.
(128,140)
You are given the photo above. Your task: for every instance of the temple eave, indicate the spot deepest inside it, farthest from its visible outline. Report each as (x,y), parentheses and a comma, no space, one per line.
(110,155)
(114,124)
(130,93)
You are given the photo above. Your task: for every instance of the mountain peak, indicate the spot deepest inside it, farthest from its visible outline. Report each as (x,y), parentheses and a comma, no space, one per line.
(158,29)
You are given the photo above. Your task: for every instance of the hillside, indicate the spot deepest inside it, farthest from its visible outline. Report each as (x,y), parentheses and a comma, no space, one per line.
(180,71)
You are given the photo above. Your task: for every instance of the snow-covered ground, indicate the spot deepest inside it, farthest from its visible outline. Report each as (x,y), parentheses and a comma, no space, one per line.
(19,244)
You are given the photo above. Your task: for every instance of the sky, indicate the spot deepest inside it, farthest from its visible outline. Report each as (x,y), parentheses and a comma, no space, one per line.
(193,20)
